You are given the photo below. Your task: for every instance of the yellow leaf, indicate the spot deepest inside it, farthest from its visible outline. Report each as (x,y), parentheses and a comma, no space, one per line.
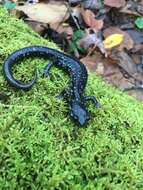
(113,40)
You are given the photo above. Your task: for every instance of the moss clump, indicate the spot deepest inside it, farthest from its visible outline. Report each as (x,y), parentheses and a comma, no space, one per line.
(40,148)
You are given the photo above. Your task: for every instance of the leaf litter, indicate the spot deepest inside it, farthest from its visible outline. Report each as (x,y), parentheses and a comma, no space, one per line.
(106,35)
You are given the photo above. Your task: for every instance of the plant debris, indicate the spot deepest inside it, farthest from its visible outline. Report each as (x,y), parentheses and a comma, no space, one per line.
(107,36)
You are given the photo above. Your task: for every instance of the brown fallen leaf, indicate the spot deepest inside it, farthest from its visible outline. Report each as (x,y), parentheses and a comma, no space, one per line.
(124,61)
(110,68)
(137,48)
(92,39)
(62,28)
(127,43)
(94,62)
(89,19)
(36,26)
(46,13)
(118,80)
(99,64)
(115,3)
(90,62)
(129,9)
(138,94)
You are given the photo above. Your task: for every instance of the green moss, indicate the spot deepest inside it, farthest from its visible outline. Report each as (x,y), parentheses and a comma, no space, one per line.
(40,146)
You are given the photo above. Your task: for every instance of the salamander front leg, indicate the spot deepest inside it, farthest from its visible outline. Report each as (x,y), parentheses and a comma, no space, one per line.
(94,101)
(46,69)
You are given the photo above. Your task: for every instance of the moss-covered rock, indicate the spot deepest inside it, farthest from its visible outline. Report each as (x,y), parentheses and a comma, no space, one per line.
(42,149)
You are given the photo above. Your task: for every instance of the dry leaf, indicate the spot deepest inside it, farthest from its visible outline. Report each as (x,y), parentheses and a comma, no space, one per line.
(62,28)
(127,43)
(115,3)
(89,19)
(92,39)
(92,61)
(36,26)
(128,9)
(113,40)
(124,61)
(46,13)
(118,80)
(110,67)
(137,48)
(137,36)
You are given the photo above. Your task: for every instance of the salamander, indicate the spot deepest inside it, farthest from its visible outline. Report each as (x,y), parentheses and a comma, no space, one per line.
(76,70)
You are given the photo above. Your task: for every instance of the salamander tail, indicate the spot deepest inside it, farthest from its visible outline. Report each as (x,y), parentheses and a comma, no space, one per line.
(20,85)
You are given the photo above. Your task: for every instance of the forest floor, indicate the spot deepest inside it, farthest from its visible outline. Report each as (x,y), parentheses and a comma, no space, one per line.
(41,147)
(107,36)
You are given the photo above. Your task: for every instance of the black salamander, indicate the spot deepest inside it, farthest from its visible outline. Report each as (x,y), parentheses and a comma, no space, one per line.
(77,71)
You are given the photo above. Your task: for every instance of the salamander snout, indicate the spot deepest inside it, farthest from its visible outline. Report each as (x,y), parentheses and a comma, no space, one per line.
(79,113)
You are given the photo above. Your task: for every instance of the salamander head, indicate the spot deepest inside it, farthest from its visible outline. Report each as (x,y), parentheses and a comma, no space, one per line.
(79,113)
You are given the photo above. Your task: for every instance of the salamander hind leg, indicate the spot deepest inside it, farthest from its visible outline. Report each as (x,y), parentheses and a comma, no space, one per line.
(47,69)
(93,100)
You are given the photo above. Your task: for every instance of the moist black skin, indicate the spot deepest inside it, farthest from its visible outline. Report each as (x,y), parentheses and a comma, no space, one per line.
(76,70)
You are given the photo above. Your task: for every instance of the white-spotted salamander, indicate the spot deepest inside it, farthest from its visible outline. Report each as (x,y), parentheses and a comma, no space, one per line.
(77,71)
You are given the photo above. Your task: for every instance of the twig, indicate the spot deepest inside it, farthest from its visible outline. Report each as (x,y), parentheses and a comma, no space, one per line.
(74,19)
(134,88)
